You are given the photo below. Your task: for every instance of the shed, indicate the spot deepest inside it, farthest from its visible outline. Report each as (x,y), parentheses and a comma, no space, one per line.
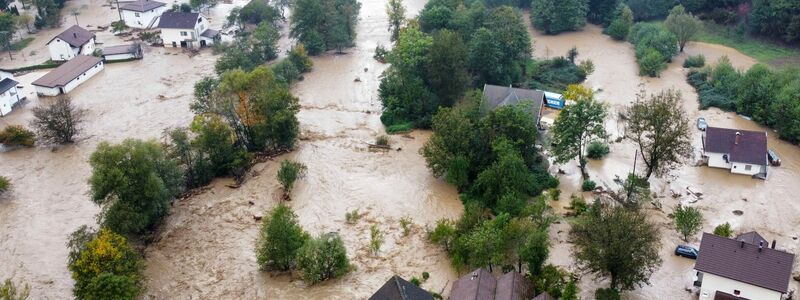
(68,76)
(397,288)
(122,52)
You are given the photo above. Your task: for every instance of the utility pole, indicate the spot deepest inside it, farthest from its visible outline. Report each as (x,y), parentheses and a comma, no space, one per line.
(119,11)
(630,188)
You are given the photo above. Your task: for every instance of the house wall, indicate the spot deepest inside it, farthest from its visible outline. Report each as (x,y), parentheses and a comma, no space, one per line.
(715,160)
(88,48)
(713,283)
(7,101)
(48,91)
(741,168)
(60,50)
(144,19)
(119,56)
(169,35)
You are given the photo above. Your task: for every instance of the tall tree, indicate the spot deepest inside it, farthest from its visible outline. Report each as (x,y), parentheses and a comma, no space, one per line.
(447,67)
(602,11)
(577,125)
(683,25)
(280,240)
(322,258)
(325,24)
(555,16)
(264,42)
(621,24)
(688,221)
(659,127)
(58,122)
(617,242)
(104,266)
(397,17)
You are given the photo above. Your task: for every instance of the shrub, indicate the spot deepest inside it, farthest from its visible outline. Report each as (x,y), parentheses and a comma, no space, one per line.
(103,265)
(597,150)
(415,281)
(10,291)
(554,194)
(382,140)
(694,61)
(444,233)
(288,174)
(281,237)
(399,128)
(375,239)
(380,54)
(578,205)
(588,185)
(5,185)
(406,224)
(652,63)
(216,141)
(618,29)
(299,57)
(352,216)
(323,258)
(724,230)
(286,72)
(606,294)
(15,135)
(426,276)
(688,221)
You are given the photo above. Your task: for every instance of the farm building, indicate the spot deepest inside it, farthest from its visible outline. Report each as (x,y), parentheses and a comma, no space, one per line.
(142,14)
(122,52)
(741,151)
(72,42)
(186,30)
(68,76)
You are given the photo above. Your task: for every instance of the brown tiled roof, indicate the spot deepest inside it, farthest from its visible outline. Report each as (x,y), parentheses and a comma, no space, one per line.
(397,288)
(68,71)
(142,5)
(751,149)
(477,285)
(75,36)
(743,262)
(512,286)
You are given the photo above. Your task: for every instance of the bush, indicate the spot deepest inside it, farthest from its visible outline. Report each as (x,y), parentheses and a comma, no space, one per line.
(380,54)
(399,128)
(15,135)
(10,291)
(5,185)
(724,230)
(588,185)
(289,172)
(554,194)
(216,142)
(281,238)
(406,224)
(299,57)
(415,281)
(695,61)
(606,294)
(375,239)
(103,265)
(352,217)
(618,29)
(578,205)
(652,63)
(426,276)
(286,72)
(382,140)
(323,258)
(597,150)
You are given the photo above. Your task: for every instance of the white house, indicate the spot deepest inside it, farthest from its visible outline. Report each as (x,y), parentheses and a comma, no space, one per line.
(742,268)
(72,42)
(9,97)
(122,52)
(741,151)
(186,30)
(68,76)
(142,14)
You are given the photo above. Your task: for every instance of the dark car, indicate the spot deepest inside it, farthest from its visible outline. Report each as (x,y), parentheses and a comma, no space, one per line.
(687,251)
(773,158)
(701,124)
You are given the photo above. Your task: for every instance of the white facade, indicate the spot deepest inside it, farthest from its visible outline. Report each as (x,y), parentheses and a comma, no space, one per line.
(187,38)
(122,56)
(55,91)
(713,283)
(719,160)
(63,51)
(142,20)
(7,100)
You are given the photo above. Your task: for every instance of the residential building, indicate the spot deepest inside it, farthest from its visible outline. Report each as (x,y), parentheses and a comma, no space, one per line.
(740,151)
(122,52)
(544,296)
(745,267)
(142,14)
(482,285)
(397,288)
(9,97)
(186,30)
(72,42)
(68,76)
(497,96)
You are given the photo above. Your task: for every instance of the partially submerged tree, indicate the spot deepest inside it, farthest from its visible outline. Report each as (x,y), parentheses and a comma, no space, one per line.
(281,238)
(660,128)
(16,136)
(5,185)
(289,172)
(683,24)
(577,125)
(397,17)
(322,258)
(104,266)
(555,16)
(724,230)
(617,242)
(57,122)
(688,221)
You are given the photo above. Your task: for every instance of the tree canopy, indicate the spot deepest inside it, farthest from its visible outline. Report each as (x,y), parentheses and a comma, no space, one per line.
(683,25)
(323,25)
(577,125)
(555,16)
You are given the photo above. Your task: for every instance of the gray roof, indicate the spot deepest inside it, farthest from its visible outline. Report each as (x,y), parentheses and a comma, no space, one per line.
(497,96)
(512,286)
(178,20)
(121,49)
(210,33)
(397,288)
(75,36)
(544,296)
(68,71)
(477,285)
(752,237)
(6,84)
(751,147)
(142,5)
(744,262)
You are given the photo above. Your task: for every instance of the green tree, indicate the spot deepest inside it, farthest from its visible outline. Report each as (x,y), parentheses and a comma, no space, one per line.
(504,185)
(552,279)
(323,258)
(603,12)
(397,17)
(15,135)
(10,291)
(484,58)
(511,35)
(570,291)
(688,221)
(216,142)
(57,122)
(5,185)
(535,250)
(443,233)
(724,230)
(299,58)
(617,242)
(264,42)
(756,92)
(650,9)
(651,63)
(447,62)
(280,240)
(119,26)
(289,172)
(325,25)
(257,12)
(683,25)
(104,266)
(196,169)
(621,25)
(555,16)
(577,125)
(660,128)
(8,26)
(134,182)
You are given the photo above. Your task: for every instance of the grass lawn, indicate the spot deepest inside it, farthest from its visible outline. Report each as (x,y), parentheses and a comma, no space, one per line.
(762,50)
(21,44)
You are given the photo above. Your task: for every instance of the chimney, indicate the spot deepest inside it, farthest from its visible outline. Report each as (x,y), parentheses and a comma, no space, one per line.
(75,34)
(773,244)
(760,245)
(738,137)
(741,245)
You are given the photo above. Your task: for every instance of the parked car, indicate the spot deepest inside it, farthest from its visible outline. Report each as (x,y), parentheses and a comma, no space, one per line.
(773,158)
(701,124)
(687,251)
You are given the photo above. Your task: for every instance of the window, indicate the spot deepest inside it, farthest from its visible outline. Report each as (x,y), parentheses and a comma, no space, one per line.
(136,14)
(736,292)
(748,167)
(183,33)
